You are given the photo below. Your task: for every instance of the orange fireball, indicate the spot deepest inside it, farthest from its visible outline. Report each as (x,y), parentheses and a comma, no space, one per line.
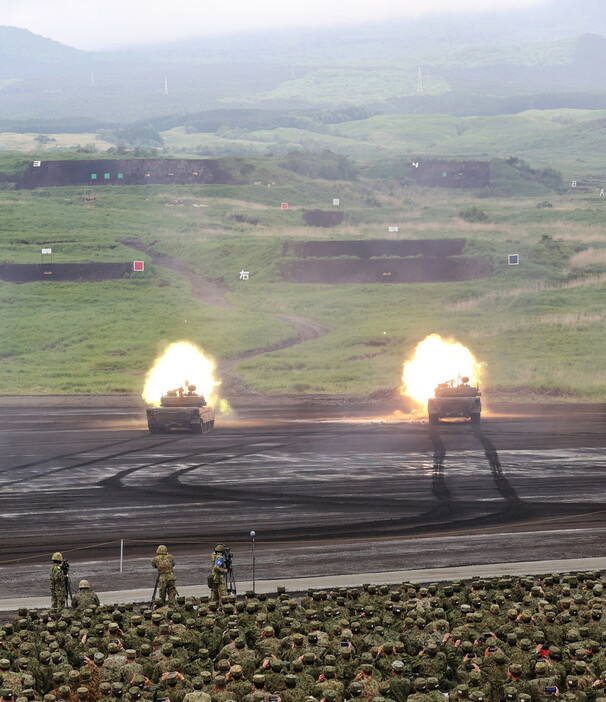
(180,363)
(437,360)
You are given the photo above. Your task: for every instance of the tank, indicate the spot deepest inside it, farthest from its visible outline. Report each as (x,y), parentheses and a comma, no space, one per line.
(455,398)
(181,409)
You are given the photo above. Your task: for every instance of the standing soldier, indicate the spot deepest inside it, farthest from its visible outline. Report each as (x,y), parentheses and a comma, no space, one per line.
(217,576)
(58,586)
(164,563)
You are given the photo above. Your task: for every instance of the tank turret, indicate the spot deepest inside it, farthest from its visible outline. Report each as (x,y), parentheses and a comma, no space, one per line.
(181,408)
(181,397)
(455,398)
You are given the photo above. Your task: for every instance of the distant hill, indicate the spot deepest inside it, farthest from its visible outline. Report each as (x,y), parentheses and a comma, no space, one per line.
(479,63)
(22,53)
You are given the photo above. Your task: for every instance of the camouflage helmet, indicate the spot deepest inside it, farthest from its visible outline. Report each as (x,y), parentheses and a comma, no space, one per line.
(57,557)
(161,549)
(219,548)
(83,584)
(432,683)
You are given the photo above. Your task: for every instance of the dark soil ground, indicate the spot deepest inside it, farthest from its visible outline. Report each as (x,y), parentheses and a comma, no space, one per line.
(63,272)
(386,270)
(329,488)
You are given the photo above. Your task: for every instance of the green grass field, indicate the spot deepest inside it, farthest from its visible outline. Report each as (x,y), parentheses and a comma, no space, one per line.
(539,327)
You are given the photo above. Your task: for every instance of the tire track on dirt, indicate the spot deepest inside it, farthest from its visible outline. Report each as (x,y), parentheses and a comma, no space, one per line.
(88,462)
(447,508)
(503,485)
(438,482)
(63,456)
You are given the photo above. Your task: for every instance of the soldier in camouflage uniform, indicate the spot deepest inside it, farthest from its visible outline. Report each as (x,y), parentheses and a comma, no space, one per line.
(85,598)
(165,664)
(420,691)
(173,686)
(216,580)
(58,585)
(197,663)
(328,681)
(164,563)
(197,694)
(130,668)
(304,681)
(292,693)
(237,685)
(113,664)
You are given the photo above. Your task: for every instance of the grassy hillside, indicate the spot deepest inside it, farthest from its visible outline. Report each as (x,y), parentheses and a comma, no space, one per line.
(538,326)
(568,140)
(571,141)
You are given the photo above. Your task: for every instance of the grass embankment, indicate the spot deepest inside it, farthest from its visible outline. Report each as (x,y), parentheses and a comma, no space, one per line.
(540,325)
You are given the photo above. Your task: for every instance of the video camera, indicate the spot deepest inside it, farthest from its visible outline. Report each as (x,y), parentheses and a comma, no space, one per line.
(230,578)
(65,570)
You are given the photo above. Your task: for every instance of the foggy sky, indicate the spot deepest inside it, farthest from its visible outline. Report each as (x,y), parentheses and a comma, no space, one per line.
(105,24)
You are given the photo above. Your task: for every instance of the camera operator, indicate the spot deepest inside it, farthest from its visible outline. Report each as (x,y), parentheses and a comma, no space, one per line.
(217,578)
(58,582)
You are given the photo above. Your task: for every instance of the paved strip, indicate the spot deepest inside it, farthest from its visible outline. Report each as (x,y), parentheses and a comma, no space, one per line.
(354,580)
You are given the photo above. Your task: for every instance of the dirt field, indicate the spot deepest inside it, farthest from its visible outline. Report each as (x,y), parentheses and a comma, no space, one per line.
(329,489)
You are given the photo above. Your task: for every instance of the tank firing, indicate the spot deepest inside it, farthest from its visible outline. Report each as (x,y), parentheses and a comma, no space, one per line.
(176,405)
(443,375)
(180,361)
